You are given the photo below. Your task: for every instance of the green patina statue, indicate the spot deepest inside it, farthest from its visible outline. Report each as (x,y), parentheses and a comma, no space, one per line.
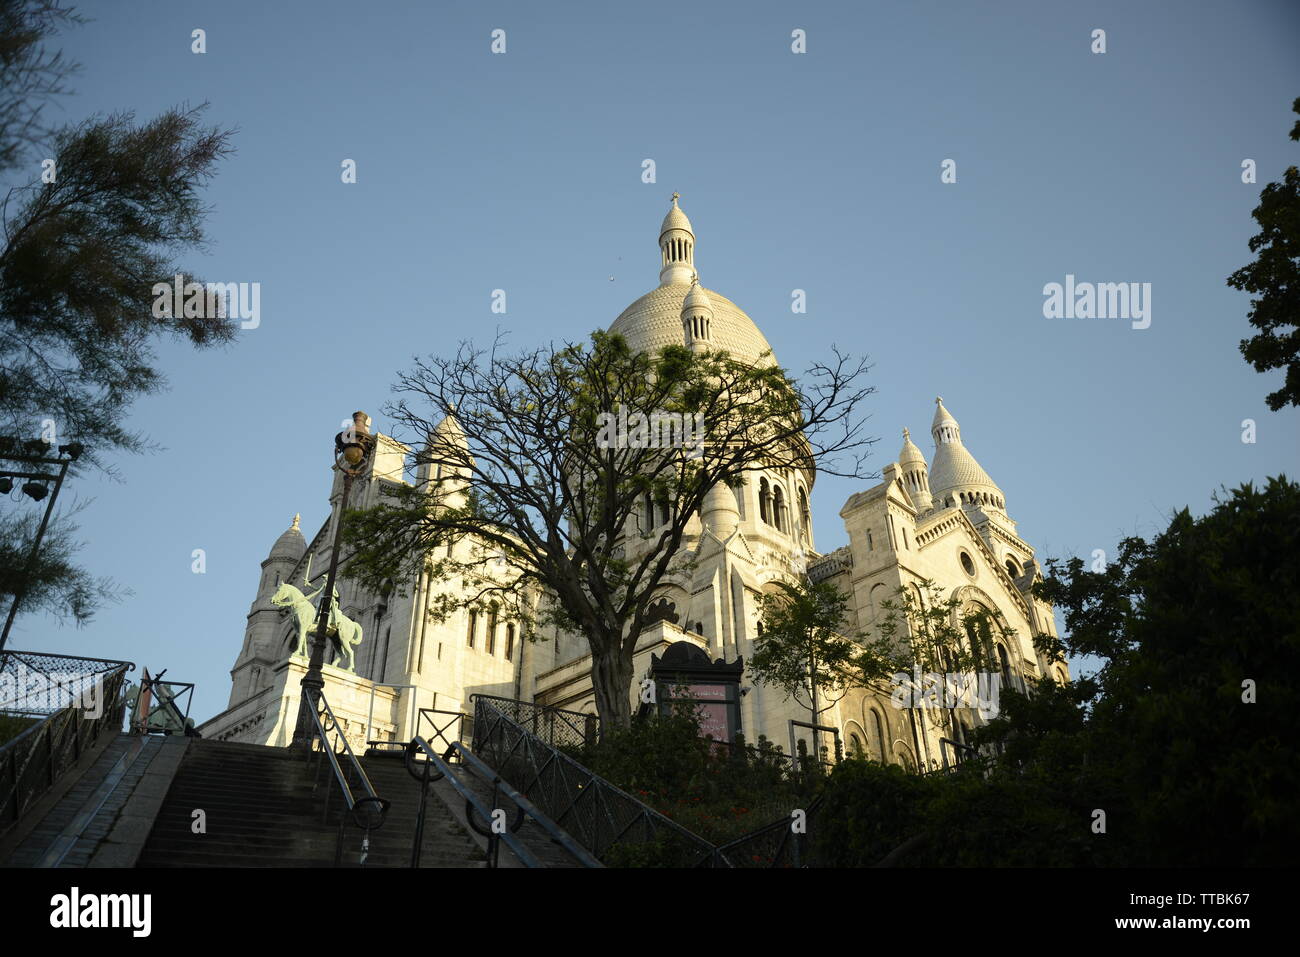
(345,633)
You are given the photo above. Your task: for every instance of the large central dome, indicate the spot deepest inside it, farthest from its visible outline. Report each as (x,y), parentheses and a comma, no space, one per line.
(655,320)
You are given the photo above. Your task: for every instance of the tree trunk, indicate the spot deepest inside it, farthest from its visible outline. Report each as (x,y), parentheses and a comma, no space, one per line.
(611,679)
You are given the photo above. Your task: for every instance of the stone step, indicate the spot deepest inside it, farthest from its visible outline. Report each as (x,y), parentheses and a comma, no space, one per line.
(263,811)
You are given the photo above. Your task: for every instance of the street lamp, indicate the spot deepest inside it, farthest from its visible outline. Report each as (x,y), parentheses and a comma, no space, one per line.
(352,449)
(35,452)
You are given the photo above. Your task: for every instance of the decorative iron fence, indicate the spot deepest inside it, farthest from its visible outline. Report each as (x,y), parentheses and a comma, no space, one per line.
(607,821)
(783,843)
(554,726)
(68,703)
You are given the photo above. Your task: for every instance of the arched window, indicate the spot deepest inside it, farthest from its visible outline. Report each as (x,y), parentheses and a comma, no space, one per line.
(492,632)
(764,510)
(805,514)
(510,642)
(473,627)
(879,728)
(855,745)
(778,508)
(1005,665)
(649,512)
(1012,570)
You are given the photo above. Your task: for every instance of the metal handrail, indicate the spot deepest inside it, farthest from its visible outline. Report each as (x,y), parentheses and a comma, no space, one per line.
(499,785)
(791,847)
(592,789)
(375,808)
(957,748)
(736,851)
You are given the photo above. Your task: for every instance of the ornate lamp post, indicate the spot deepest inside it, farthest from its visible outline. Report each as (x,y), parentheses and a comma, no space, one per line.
(352,448)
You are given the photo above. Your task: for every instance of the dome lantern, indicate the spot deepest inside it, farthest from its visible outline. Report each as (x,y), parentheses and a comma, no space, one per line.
(676,247)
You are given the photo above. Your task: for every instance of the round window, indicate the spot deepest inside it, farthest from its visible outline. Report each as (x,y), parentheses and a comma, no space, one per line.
(967,564)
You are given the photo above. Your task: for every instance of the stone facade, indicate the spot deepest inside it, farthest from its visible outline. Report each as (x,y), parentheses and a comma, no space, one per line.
(947,523)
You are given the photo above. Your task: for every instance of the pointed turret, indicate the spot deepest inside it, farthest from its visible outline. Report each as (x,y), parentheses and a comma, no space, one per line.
(676,247)
(445,460)
(956,478)
(915,473)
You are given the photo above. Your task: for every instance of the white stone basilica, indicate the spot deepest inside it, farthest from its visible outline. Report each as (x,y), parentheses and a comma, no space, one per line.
(947,522)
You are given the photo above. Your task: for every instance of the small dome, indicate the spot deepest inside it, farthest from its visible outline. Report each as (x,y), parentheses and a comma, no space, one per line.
(675,219)
(696,299)
(911,455)
(290,544)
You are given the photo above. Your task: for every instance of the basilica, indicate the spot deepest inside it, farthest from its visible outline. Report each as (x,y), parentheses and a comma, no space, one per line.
(943,520)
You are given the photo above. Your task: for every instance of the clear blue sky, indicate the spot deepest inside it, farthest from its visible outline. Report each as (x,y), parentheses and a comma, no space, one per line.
(819,171)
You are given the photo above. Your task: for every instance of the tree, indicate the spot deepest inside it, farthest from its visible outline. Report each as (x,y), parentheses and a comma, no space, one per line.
(1191,725)
(804,650)
(940,636)
(85,241)
(1275,277)
(30,75)
(521,463)
(1186,737)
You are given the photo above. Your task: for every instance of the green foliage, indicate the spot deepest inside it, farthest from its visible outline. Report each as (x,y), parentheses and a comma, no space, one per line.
(803,649)
(715,791)
(78,263)
(30,75)
(1182,622)
(1275,277)
(53,582)
(545,508)
(938,634)
(1160,739)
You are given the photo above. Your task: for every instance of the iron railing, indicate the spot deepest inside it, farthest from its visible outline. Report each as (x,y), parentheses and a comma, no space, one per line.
(555,726)
(600,816)
(783,843)
(68,703)
(362,806)
(440,726)
(432,768)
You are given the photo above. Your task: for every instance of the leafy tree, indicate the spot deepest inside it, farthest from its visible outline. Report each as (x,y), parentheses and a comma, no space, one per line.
(1275,277)
(84,243)
(1186,737)
(804,651)
(523,498)
(1191,725)
(938,635)
(30,75)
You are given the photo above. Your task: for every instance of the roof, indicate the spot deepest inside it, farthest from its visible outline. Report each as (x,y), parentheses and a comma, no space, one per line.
(655,321)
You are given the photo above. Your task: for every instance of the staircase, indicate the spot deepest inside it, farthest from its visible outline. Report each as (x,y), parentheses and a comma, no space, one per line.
(264,808)
(445,842)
